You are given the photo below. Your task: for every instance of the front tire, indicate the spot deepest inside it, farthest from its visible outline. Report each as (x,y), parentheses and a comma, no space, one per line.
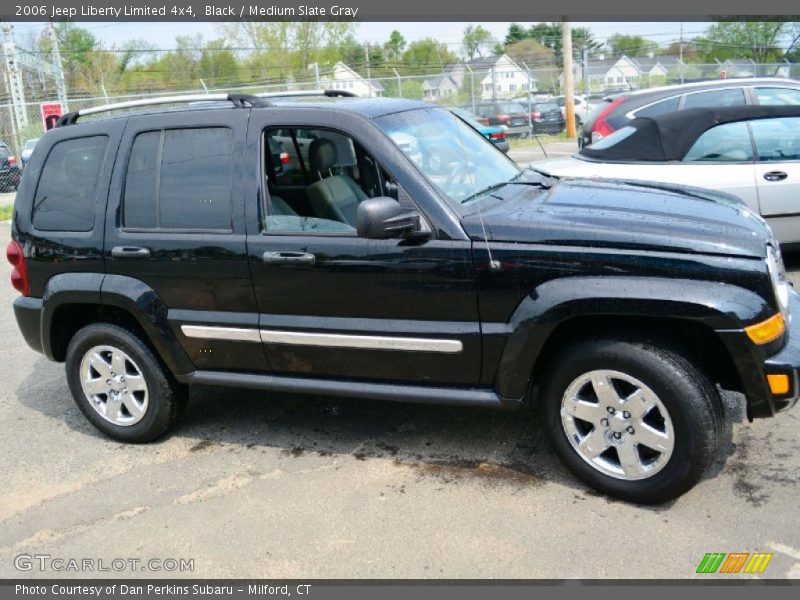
(119,384)
(634,419)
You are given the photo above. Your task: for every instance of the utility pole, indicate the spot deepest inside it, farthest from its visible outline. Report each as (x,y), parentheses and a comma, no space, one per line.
(680,52)
(61,86)
(569,83)
(369,74)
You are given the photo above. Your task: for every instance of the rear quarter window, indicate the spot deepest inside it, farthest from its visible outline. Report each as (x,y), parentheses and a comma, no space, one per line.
(67,189)
(179,179)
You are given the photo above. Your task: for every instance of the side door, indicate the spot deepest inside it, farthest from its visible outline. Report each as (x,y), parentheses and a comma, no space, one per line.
(777,143)
(335,305)
(175,225)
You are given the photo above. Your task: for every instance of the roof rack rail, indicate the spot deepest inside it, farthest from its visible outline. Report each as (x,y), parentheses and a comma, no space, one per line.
(238,100)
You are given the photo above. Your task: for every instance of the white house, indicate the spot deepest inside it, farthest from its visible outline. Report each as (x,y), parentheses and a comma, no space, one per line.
(346,79)
(496,76)
(441,86)
(624,71)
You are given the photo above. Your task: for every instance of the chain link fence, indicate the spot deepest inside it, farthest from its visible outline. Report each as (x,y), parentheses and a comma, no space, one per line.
(453,86)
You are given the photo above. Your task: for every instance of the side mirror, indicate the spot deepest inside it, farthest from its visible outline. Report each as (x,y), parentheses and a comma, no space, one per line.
(383,218)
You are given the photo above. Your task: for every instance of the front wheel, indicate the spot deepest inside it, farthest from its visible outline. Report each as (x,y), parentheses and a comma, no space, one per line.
(631,418)
(119,384)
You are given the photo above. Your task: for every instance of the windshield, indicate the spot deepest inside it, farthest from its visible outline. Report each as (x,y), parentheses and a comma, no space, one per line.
(460,162)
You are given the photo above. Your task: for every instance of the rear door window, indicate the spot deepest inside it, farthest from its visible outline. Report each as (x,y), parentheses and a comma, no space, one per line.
(777,140)
(67,189)
(715,98)
(179,179)
(724,143)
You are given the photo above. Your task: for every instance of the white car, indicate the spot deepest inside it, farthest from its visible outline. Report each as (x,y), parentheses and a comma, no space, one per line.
(582,107)
(750,151)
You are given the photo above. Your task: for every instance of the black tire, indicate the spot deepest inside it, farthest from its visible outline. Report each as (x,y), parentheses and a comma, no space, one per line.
(691,400)
(166,399)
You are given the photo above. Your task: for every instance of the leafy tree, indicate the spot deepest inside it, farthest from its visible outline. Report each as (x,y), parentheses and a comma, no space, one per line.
(393,49)
(531,52)
(217,63)
(477,40)
(757,40)
(550,35)
(426,56)
(630,45)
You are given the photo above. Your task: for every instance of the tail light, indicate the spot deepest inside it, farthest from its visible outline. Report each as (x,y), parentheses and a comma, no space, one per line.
(12,160)
(536,115)
(601,127)
(499,135)
(483,121)
(503,119)
(284,158)
(19,274)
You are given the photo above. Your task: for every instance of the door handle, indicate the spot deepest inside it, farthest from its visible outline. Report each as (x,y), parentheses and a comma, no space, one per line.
(130,252)
(290,258)
(775,175)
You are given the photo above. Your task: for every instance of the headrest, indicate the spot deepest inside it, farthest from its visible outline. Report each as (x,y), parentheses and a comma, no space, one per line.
(322,155)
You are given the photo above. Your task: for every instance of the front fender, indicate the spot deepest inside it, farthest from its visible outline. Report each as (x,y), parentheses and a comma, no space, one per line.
(716,305)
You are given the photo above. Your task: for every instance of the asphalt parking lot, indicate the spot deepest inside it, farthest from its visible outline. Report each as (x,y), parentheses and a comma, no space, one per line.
(272,486)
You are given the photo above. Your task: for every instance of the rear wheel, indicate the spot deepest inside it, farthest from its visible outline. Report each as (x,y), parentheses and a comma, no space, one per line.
(119,384)
(632,418)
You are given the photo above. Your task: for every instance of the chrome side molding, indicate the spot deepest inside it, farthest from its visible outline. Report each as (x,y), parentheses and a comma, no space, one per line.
(327,340)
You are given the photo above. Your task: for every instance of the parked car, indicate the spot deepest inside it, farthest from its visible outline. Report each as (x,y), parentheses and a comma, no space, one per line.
(512,115)
(617,109)
(583,106)
(27,150)
(9,170)
(618,309)
(750,151)
(495,134)
(548,117)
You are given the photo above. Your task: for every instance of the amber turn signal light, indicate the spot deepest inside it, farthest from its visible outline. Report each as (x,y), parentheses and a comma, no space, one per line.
(766,331)
(778,384)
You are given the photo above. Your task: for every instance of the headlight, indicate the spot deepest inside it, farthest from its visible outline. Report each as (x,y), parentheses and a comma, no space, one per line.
(777,273)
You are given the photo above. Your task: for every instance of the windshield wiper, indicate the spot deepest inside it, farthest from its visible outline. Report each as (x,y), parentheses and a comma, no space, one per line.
(486,190)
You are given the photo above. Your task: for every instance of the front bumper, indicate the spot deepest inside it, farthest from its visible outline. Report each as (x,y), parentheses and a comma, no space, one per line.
(753,366)
(787,361)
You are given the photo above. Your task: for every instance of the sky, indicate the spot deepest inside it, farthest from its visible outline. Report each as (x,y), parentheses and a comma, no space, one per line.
(163,35)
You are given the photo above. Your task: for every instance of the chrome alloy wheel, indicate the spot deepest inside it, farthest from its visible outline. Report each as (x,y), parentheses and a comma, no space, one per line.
(114,385)
(617,424)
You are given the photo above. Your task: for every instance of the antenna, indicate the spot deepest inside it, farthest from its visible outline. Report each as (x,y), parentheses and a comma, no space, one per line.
(494,265)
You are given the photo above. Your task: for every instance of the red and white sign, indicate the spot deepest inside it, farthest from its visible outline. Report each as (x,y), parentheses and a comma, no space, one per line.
(51,113)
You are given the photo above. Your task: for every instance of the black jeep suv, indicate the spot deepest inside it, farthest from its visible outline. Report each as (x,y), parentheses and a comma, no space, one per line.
(159,249)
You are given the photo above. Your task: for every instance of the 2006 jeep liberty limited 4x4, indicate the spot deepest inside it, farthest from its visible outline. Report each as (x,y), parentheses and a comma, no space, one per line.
(306,245)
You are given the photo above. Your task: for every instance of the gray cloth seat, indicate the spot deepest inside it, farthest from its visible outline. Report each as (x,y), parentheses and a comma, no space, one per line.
(333,197)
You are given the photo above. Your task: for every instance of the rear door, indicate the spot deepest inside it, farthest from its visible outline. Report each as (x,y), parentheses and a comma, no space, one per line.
(175,222)
(777,143)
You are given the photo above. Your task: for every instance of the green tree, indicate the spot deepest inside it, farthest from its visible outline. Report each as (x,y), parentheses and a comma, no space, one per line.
(757,40)
(630,45)
(550,35)
(477,40)
(427,55)
(217,63)
(393,49)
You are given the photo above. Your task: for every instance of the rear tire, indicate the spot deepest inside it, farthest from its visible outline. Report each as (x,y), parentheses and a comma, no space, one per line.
(664,429)
(120,386)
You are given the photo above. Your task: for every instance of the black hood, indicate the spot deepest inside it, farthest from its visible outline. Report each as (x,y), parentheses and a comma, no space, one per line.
(631,215)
